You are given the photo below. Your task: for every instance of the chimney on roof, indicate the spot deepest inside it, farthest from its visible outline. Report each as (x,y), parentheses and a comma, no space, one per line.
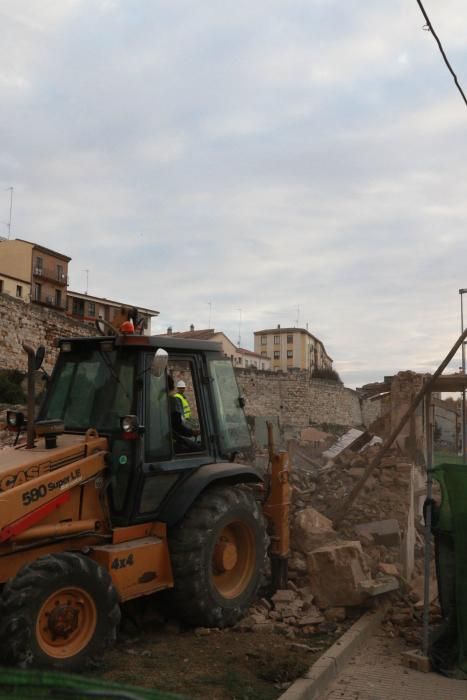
(169,330)
(192,328)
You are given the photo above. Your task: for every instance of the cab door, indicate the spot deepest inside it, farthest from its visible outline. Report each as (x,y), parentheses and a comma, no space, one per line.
(166,462)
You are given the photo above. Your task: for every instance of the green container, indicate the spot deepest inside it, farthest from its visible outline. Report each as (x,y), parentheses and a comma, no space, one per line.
(450,531)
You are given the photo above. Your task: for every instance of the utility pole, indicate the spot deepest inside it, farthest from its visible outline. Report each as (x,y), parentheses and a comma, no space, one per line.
(10,189)
(461,293)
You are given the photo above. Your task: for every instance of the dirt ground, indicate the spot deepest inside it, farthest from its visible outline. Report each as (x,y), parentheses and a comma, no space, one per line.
(212,664)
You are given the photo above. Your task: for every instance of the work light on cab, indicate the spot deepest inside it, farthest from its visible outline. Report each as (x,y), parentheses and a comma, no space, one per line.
(129,426)
(14,419)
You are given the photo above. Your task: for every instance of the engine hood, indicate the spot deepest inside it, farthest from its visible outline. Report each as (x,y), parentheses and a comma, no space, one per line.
(19,465)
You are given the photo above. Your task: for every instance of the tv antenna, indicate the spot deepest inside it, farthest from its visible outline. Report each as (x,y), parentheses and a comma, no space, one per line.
(8,225)
(87,280)
(210,309)
(240,329)
(297,320)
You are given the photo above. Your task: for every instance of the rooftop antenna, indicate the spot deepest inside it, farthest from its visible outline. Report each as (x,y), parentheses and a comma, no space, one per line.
(87,280)
(297,320)
(240,329)
(11,208)
(210,308)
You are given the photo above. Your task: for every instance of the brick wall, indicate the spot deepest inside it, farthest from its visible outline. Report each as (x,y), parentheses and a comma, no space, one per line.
(34,325)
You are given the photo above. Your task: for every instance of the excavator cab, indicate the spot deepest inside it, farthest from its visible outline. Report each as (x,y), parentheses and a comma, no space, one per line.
(120,387)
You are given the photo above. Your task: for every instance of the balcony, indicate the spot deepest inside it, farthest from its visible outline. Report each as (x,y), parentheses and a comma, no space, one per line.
(51,303)
(50,274)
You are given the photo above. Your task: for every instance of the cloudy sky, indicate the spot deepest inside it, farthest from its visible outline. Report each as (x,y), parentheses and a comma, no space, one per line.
(248,163)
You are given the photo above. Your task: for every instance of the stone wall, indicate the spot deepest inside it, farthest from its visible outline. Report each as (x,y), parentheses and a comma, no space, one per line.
(299,401)
(35,325)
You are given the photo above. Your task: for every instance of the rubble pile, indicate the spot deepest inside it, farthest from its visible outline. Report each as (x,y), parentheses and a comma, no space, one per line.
(404,618)
(292,612)
(377,519)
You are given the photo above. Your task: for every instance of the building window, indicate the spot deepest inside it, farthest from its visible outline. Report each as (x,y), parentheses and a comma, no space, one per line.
(289,339)
(289,353)
(1,286)
(264,340)
(19,291)
(60,274)
(37,292)
(263,353)
(39,265)
(277,355)
(78,307)
(58,297)
(92,308)
(277,339)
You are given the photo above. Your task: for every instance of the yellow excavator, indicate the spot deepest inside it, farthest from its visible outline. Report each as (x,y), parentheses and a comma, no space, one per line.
(105,501)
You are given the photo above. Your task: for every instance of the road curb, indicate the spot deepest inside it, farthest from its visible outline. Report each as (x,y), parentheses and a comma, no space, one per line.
(314,683)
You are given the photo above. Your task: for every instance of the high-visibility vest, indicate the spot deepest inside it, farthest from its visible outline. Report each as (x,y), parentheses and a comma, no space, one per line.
(185,406)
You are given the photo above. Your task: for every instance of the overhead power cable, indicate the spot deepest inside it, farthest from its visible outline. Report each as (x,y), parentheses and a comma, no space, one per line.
(429,27)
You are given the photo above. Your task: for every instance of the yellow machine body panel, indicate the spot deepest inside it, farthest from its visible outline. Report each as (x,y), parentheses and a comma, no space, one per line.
(139,567)
(29,479)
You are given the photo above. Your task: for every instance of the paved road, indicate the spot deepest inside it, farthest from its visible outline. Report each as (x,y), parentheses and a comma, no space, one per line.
(377,674)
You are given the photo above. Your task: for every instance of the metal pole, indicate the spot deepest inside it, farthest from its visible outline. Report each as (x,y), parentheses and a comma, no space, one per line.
(461,292)
(428,514)
(31,396)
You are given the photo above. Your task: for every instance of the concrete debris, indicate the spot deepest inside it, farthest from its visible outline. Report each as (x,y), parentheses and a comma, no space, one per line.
(310,530)
(335,614)
(388,569)
(336,572)
(379,586)
(385,532)
(353,441)
(292,612)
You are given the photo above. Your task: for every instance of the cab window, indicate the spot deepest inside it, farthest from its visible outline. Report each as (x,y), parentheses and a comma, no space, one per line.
(184,406)
(232,426)
(157,433)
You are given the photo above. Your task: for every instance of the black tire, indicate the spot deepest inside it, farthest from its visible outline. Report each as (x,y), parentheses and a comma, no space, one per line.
(84,618)
(202,594)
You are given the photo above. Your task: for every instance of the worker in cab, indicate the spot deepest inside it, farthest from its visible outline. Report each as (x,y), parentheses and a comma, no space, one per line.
(184,433)
(180,395)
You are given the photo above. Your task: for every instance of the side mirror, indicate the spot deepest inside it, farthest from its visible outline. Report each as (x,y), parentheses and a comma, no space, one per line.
(159,362)
(39,357)
(104,327)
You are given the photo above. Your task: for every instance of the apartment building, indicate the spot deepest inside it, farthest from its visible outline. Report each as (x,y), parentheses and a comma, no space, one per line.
(87,308)
(292,348)
(241,357)
(33,273)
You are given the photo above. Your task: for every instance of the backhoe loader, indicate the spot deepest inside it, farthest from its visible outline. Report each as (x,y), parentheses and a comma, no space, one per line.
(104,502)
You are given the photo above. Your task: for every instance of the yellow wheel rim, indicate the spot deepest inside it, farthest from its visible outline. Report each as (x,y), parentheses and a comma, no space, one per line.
(66,623)
(233,561)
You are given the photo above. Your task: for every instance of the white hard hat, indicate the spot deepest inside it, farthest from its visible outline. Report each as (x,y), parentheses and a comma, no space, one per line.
(181,384)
